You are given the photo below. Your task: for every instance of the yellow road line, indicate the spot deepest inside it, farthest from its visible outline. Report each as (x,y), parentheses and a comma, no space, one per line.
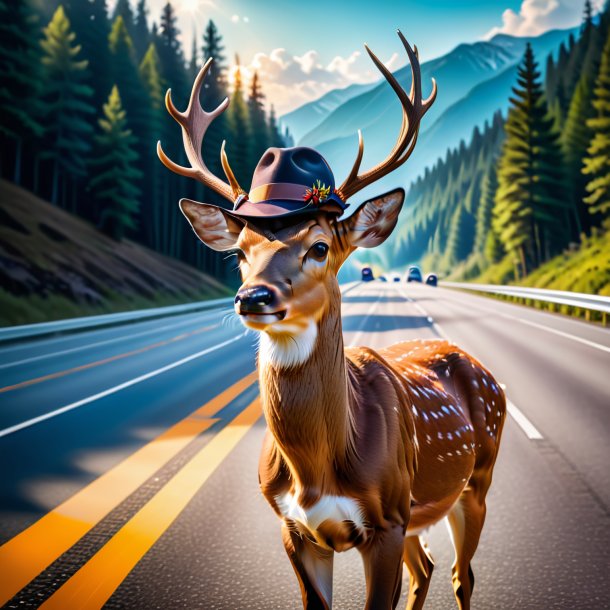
(91,587)
(90,365)
(23,557)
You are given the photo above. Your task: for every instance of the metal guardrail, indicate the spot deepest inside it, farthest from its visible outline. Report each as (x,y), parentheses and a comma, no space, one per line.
(27,331)
(560,297)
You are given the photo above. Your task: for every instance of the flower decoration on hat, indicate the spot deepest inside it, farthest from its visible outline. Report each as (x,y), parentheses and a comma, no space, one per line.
(317,194)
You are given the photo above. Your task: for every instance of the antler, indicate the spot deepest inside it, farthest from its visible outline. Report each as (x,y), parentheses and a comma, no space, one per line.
(413,109)
(195,122)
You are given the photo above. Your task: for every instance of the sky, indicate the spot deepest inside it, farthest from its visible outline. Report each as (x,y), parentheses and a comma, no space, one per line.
(302,49)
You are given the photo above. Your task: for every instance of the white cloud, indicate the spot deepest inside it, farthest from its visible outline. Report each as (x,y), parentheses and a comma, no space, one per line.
(537,16)
(291,80)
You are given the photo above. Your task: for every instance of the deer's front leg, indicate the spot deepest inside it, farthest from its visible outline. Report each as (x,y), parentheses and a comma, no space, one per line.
(382,558)
(313,566)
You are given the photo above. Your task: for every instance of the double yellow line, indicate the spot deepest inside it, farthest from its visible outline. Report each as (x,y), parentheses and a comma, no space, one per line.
(26,555)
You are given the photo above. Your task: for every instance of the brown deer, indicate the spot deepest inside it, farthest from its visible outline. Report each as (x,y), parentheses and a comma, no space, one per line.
(364,448)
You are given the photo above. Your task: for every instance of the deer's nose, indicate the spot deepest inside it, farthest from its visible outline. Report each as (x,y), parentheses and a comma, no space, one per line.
(254,299)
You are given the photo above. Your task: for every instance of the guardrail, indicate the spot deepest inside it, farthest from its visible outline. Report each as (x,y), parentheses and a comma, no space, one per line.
(27,331)
(561,297)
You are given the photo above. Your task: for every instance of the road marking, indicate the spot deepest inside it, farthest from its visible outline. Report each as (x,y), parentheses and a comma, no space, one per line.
(437,329)
(361,330)
(116,388)
(26,555)
(80,348)
(603,348)
(90,365)
(98,579)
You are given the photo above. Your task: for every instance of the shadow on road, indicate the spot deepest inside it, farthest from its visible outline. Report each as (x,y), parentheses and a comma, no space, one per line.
(381,323)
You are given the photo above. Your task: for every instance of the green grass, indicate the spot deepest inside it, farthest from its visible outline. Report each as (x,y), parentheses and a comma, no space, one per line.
(585,269)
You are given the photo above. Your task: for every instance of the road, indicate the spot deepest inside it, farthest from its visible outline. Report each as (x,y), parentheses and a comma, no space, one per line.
(129,458)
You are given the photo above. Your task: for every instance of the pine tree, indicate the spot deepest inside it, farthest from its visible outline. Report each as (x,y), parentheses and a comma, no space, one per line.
(66,96)
(239,138)
(259,129)
(274,137)
(194,60)
(530,215)
(141,33)
(155,189)
(20,108)
(115,179)
(576,137)
(489,187)
(597,161)
(90,23)
(171,57)
(123,9)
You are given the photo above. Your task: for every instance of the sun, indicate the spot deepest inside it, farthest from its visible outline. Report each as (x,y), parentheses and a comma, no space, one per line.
(190,6)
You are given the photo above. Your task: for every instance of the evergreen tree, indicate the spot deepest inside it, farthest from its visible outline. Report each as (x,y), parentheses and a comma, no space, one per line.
(89,19)
(259,129)
(274,137)
(239,138)
(20,108)
(597,160)
(171,57)
(576,137)
(66,96)
(194,60)
(214,91)
(115,178)
(530,215)
(489,187)
(123,9)
(141,33)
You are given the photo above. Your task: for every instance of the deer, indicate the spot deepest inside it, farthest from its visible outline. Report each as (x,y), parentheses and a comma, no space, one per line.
(363,448)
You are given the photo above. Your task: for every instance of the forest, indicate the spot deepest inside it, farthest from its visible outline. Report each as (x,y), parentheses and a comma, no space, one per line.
(82,107)
(529,186)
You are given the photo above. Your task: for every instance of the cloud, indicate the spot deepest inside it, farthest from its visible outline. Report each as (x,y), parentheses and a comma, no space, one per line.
(292,80)
(537,16)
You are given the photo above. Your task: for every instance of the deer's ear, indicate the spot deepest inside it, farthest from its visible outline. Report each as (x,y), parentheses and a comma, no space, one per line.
(214,227)
(372,223)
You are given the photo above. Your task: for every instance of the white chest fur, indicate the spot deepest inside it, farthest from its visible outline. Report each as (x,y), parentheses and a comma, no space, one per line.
(287,346)
(336,509)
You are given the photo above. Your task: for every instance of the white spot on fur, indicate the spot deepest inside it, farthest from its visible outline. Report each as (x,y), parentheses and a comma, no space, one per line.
(285,350)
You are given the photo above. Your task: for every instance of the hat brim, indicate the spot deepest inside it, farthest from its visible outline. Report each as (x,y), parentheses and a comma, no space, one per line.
(276,208)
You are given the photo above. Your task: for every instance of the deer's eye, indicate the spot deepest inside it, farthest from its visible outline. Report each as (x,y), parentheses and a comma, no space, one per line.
(318,251)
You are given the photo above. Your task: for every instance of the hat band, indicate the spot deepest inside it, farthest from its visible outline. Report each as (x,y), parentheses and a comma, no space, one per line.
(277,190)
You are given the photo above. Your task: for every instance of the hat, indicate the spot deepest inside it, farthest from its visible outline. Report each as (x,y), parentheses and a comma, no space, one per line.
(290,181)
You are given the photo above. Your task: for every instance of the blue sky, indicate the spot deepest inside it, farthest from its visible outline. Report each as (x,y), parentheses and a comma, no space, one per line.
(303,48)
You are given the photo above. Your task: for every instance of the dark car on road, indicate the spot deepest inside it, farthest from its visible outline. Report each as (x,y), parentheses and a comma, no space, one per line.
(414,274)
(367,274)
(432,279)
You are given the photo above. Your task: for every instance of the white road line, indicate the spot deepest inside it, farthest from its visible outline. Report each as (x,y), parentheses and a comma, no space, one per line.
(437,329)
(98,343)
(603,348)
(356,339)
(522,421)
(116,388)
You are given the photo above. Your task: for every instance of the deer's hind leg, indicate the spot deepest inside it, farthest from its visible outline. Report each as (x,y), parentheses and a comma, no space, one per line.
(466,521)
(419,562)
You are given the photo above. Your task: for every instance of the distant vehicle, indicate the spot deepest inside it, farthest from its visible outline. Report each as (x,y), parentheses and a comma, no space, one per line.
(432,279)
(414,274)
(382,278)
(397,278)
(367,274)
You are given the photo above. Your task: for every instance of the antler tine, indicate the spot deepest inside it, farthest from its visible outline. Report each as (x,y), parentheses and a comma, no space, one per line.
(229,172)
(195,122)
(413,109)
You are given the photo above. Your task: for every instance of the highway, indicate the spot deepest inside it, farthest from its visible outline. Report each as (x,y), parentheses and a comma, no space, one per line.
(129,462)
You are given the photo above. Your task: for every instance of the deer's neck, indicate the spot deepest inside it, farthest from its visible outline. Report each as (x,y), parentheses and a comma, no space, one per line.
(306,403)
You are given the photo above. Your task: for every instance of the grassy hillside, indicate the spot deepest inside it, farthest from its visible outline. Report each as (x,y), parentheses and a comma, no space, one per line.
(54,265)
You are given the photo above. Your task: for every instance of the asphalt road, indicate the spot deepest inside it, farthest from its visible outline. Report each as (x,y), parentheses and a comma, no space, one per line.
(129,460)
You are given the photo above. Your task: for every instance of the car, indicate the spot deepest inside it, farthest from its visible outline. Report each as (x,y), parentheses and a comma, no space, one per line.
(414,274)
(367,274)
(397,278)
(432,279)
(382,278)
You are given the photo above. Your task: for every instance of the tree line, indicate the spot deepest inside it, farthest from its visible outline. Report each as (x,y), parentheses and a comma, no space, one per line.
(530,185)
(82,107)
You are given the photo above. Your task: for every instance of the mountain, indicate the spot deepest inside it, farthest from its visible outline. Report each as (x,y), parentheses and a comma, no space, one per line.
(474,81)
(310,115)
(54,265)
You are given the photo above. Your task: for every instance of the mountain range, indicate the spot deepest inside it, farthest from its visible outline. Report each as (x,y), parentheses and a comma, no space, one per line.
(474,81)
